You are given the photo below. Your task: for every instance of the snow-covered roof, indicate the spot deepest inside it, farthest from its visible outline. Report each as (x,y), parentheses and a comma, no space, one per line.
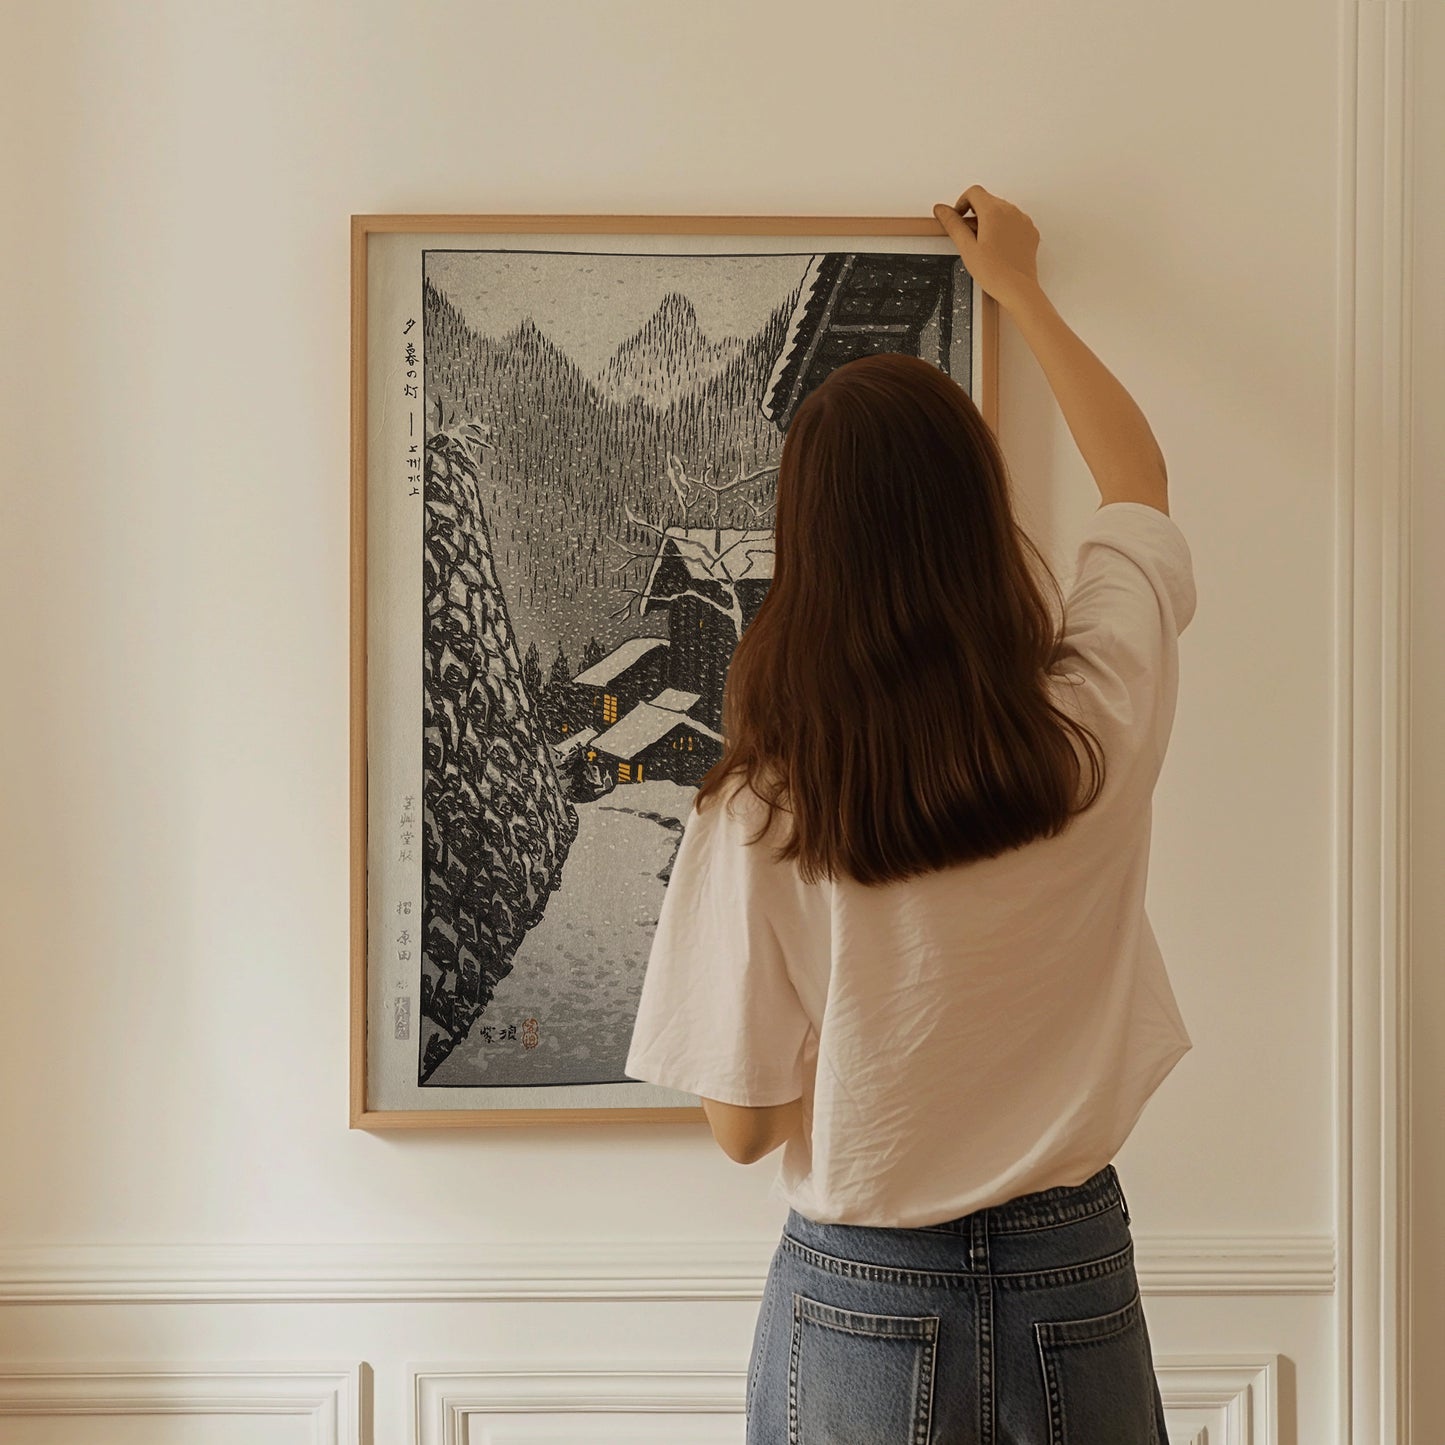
(645,725)
(713,554)
(619,660)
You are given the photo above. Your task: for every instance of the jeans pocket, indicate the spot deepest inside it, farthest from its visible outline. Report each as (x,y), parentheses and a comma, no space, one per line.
(1099,1378)
(859,1376)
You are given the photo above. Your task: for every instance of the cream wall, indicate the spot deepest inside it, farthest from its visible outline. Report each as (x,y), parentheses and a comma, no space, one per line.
(181,1190)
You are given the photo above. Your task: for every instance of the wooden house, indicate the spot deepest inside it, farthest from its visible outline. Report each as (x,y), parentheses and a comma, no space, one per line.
(632,671)
(712,581)
(659,739)
(859,303)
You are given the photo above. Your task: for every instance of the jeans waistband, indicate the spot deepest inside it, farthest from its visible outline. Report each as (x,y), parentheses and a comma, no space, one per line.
(1044,1207)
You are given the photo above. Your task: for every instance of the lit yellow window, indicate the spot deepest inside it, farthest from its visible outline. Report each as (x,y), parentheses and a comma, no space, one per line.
(624,773)
(609,707)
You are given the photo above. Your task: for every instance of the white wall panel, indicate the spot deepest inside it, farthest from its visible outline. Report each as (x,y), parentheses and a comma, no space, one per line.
(1208,1400)
(187,1404)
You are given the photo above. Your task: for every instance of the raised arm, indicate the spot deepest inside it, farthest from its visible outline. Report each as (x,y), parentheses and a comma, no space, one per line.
(998,244)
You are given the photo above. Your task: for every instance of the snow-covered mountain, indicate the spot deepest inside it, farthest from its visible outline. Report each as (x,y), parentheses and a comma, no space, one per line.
(666,357)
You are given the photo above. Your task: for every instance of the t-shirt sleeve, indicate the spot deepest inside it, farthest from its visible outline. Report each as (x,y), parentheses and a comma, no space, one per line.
(1133,594)
(718,1015)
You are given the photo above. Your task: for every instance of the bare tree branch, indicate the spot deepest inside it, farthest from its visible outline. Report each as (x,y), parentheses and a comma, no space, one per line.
(733,613)
(684,488)
(638,522)
(632,552)
(676,475)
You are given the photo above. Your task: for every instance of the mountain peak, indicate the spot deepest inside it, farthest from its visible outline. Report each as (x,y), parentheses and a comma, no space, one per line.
(667,356)
(528,334)
(676,309)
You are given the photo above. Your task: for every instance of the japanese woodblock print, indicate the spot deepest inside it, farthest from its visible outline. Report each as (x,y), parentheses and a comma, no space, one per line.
(572,450)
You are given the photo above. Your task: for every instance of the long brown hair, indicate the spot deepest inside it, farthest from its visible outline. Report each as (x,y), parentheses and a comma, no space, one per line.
(890,694)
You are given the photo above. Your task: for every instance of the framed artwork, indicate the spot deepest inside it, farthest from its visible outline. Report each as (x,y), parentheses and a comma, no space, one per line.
(565,441)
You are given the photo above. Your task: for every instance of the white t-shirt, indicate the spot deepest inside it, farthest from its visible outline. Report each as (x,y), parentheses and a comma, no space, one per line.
(968,1035)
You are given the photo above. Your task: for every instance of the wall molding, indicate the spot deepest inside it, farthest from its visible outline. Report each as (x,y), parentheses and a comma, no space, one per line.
(1372,526)
(328,1396)
(1225,1264)
(445,1397)
(1218,1399)
(1221,1399)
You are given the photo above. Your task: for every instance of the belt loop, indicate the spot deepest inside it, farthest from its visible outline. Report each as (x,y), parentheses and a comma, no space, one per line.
(978,1240)
(1123,1203)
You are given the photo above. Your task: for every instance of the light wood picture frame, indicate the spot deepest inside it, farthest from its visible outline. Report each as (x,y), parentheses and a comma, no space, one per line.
(565,430)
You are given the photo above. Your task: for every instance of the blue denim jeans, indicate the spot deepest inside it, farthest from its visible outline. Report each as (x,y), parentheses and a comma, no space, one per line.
(1020,1324)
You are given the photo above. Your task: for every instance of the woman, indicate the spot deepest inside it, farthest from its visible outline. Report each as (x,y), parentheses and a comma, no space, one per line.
(904,935)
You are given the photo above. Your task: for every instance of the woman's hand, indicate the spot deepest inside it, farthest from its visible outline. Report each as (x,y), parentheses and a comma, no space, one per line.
(998,244)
